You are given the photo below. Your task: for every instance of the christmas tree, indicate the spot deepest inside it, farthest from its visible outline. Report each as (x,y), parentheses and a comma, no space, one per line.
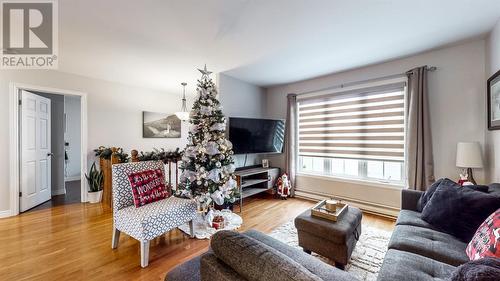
(208,168)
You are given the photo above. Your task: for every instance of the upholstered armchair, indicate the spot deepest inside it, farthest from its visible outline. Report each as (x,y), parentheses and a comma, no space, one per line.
(149,221)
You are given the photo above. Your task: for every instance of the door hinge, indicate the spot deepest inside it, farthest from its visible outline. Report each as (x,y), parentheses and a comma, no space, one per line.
(20,194)
(20,102)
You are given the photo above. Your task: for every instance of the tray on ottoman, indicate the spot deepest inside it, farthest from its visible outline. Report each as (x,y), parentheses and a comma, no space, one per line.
(321,210)
(334,240)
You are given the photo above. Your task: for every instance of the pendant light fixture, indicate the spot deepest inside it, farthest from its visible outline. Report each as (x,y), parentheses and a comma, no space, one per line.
(184,113)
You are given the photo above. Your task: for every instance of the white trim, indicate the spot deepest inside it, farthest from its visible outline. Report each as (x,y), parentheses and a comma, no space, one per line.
(75,178)
(381,184)
(14,149)
(381,82)
(5,214)
(14,89)
(369,207)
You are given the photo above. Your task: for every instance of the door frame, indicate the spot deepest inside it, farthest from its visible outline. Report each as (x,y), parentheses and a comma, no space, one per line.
(14,142)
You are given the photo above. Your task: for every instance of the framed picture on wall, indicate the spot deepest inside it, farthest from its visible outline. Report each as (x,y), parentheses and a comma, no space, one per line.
(160,125)
(493,99)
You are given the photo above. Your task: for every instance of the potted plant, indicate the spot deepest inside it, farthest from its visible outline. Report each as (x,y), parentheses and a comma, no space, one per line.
(95,179)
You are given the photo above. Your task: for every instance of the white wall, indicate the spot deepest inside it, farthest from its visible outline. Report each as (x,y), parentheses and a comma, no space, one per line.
(114,114)
(241,99)
(456,107)
(493,137)
(72,135)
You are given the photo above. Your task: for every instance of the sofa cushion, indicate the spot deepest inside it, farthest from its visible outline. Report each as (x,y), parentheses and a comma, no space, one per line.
(188,271)
(459,211)
(429,243)
(314,265)
(212,269)
(400,265)
(486,241)
(152,220)
(256,261)
(407,217)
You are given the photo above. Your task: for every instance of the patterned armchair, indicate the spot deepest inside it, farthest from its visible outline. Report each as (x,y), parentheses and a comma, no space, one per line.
(149,221)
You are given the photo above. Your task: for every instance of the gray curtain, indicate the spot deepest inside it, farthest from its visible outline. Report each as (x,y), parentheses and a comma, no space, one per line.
(291,139)
(419,159)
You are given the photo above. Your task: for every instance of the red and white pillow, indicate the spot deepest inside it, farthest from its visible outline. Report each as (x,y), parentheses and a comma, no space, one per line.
(148,186)
(486,241)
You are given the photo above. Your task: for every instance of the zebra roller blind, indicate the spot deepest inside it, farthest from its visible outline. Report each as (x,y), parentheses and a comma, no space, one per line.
(360,124)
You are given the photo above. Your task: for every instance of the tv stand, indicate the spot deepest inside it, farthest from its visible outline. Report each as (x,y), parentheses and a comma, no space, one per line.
(255,180)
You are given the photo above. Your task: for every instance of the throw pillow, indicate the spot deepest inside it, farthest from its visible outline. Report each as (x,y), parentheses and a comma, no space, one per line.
(482,188)
(494,188)
(147,187)
(459,211)
(486,241)
(428,193)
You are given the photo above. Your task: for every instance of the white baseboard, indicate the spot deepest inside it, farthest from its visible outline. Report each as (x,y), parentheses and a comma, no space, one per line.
(5,214)
(75,178)
(386,211)
(59,191)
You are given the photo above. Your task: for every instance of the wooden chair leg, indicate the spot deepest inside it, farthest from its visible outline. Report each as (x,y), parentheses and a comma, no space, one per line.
(116,238)
(144,253)
(191,228)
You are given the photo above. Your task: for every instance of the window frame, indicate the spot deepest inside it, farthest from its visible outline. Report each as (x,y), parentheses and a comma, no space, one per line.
(362,163)
(362,171)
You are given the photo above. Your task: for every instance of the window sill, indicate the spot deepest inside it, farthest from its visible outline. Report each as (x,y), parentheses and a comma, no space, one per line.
(381,184)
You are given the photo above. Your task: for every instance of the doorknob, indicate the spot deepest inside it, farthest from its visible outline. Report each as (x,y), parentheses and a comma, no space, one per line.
(50,154)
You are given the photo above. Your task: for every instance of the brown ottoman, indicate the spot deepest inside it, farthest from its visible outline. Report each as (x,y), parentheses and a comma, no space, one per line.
(334,240)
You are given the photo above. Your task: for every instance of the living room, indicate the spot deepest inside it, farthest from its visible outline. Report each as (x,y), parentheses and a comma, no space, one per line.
(366,106)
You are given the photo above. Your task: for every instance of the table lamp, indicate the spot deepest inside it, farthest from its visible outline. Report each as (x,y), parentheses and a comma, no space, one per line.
(468,157)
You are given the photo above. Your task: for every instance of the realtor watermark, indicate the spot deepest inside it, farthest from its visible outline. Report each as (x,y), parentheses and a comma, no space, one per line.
(29,34)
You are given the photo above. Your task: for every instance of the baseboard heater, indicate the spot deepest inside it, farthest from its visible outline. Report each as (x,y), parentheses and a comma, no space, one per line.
(369,207)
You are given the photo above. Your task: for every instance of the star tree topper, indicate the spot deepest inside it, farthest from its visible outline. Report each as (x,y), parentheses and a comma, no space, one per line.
(204,72)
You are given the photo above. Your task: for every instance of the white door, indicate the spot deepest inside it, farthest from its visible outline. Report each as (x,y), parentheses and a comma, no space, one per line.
(35,150)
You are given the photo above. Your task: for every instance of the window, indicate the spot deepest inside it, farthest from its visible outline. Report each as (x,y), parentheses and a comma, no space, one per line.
(355,134)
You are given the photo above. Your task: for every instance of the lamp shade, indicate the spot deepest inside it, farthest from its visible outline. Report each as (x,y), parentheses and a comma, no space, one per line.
(469,155)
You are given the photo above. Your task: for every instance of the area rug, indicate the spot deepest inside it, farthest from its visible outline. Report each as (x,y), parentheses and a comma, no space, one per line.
(366,258)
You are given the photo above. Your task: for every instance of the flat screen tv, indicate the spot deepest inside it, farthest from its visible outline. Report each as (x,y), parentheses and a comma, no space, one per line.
(250,135)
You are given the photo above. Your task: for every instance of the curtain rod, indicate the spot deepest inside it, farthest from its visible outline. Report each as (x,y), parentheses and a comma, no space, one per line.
(429,68)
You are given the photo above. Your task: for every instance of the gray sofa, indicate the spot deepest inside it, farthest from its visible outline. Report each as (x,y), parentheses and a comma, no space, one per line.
(417,251)
(243,256)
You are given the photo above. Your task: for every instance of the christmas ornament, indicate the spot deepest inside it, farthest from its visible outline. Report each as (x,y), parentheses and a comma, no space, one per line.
(218,127)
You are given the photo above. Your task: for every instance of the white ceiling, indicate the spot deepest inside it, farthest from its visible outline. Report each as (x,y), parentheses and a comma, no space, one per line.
(159,44)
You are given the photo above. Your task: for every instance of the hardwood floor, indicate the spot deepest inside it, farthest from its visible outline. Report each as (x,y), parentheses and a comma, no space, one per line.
(72,196)
(73,242)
